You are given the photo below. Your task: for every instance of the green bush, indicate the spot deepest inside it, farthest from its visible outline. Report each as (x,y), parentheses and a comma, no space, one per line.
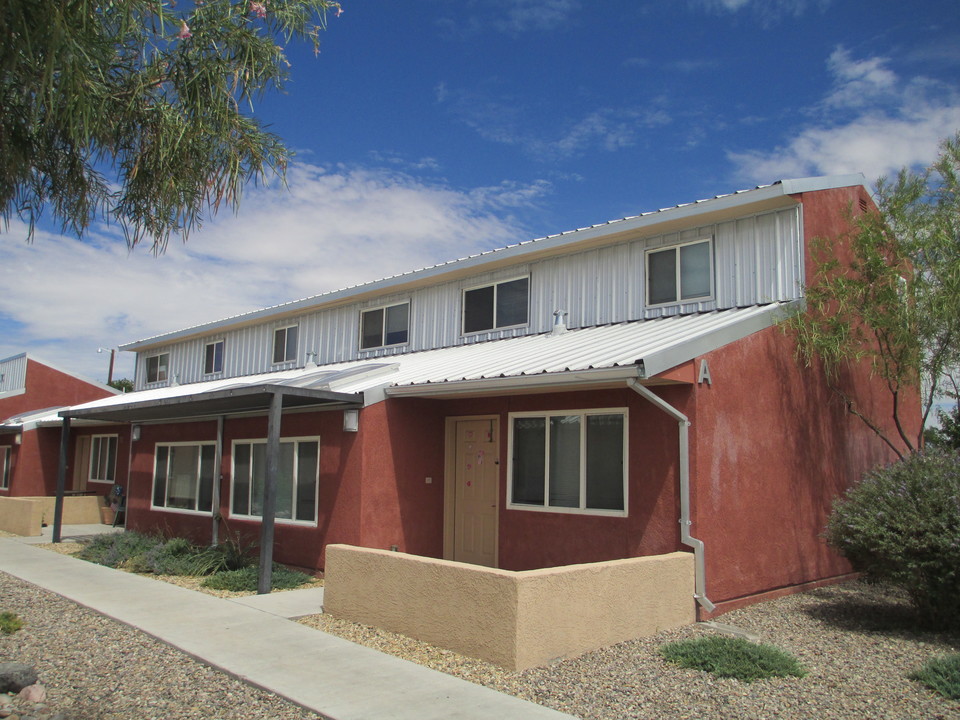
(732,657)
(245,579)
(941,675)
(9,623)
(901,524)
(152,554)
(119,549)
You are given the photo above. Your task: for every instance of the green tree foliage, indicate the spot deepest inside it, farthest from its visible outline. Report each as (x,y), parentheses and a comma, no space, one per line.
(901,524)
(895,300)
(139,112)
(122,384)
(948,434)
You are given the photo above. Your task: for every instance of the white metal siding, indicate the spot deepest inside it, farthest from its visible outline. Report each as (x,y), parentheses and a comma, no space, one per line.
(14,372)
(757,260)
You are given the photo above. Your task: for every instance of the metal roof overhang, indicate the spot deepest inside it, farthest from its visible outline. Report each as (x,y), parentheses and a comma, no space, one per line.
(10,429)
(522,384)
(213,403)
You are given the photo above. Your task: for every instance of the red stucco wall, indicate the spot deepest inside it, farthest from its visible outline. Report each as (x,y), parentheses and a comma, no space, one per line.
(301,545)
(47,387)
(35,461)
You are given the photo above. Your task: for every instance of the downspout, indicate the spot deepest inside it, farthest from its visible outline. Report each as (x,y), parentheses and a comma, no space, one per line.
(700,583)
(218,481)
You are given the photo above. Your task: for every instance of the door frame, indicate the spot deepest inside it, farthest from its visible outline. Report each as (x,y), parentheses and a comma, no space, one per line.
(450,481)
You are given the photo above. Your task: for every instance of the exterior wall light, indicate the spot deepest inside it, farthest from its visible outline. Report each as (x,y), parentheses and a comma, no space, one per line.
(135,432)
(351,420)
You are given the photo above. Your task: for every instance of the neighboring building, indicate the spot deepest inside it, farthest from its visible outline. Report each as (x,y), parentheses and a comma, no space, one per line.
(31,394)
(560,401)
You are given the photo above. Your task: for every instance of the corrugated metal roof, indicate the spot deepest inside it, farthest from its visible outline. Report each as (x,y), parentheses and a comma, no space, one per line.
(642,348)
(719,202)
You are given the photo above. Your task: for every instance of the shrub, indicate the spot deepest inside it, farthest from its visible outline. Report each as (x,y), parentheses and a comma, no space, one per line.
(245,579)
(119,549)
(9,623)
(901,524)
(941,675)
(733,657)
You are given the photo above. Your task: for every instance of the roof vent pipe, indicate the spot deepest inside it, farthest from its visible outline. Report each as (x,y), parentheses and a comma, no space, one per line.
(311,361)
(559,326)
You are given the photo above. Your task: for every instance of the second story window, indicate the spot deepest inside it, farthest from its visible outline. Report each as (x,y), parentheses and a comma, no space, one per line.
(213,358)
(158,368)
(384,326)
(679,273)
(500,305)
(285,344)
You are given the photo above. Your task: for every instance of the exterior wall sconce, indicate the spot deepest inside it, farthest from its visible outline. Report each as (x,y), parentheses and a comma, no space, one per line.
(351,420)
(135,433)
(18,438)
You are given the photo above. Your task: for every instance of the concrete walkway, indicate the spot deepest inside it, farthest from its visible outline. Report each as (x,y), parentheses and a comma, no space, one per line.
(251,639)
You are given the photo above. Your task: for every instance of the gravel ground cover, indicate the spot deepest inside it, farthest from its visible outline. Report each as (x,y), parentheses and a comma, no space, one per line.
(854,640)
(94,668)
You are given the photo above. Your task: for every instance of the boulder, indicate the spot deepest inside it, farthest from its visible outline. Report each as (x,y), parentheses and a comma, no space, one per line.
(15,676)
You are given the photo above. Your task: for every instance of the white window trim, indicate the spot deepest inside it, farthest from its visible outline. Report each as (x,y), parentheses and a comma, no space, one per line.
(153,480)
(676,249)
(220,341)
(583,460)
(146,369)
(273,344)
(282,521)
(6,452)
(383,331)
(495,328)
(116,451)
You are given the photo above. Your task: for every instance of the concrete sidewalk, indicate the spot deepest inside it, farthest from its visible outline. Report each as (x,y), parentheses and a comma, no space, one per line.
(253,641)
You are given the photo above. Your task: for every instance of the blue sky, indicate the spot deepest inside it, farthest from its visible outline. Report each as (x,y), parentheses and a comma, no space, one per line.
(428,131)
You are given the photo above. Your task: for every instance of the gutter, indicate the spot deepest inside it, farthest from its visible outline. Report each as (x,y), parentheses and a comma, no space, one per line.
(700,582)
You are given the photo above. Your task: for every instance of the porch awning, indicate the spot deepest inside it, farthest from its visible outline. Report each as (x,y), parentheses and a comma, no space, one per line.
(210,403)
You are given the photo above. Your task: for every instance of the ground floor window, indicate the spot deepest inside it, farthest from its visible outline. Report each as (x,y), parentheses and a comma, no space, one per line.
(570,461)
(183,476)
(297,479)
(5,467)
(103,458)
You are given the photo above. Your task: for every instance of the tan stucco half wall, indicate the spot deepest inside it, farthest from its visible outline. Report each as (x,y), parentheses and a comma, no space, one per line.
(20,516)
(514,619)
(26,515)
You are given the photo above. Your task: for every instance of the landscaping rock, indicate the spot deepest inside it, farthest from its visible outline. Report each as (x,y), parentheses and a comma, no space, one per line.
(15,676)
(36,693)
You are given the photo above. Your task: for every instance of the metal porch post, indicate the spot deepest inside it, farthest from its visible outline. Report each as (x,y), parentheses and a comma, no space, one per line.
(61,478)
(265,578)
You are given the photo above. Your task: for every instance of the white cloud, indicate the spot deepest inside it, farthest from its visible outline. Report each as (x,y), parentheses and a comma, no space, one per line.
(766,9)
(870,121)
(63,298)
(859,83)
(511,16)
(509,123)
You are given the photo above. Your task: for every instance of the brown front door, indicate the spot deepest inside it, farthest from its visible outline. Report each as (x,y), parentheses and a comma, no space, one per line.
(475,487)
(81,465)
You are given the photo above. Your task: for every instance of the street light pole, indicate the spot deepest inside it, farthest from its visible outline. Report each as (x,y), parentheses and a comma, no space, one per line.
(112,355)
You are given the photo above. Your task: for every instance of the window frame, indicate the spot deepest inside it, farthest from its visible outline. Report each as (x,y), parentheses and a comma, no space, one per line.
(383,326)
(495,285)
(285,329)
(5,461)
(206,349)
(582,510)
(95,441)
(678,300)
(200,444)
(263,441)
(165,368)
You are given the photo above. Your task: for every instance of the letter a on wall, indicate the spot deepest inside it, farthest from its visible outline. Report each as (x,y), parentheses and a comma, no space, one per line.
(704,374)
